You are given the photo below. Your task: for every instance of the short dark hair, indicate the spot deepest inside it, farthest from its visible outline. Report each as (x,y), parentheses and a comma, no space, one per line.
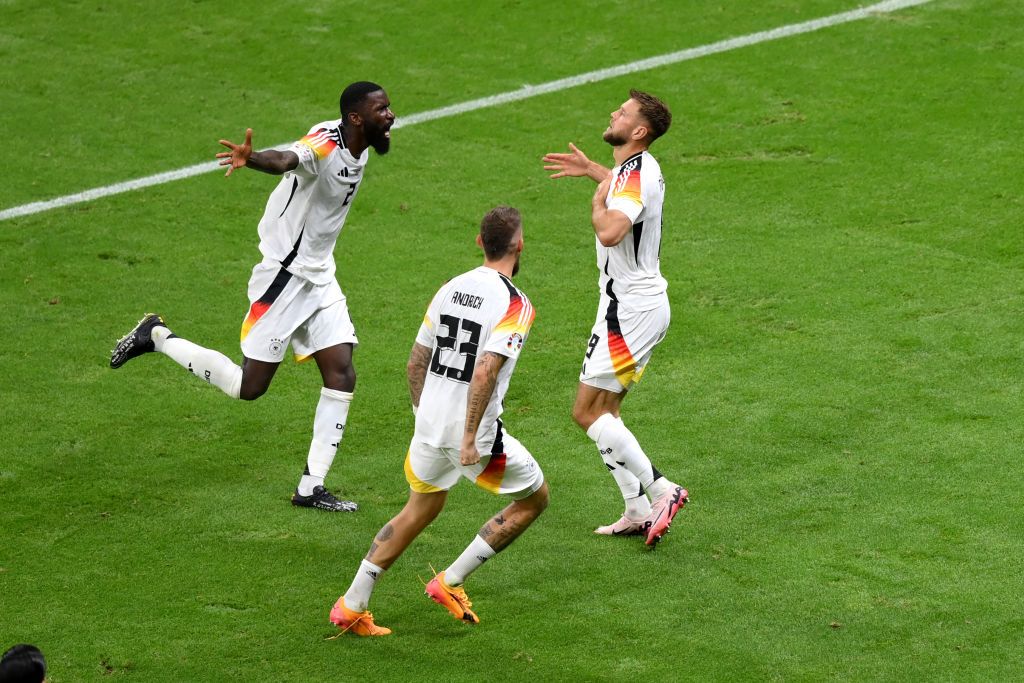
(353,95)
(497,230)
(654,111)
(23,664)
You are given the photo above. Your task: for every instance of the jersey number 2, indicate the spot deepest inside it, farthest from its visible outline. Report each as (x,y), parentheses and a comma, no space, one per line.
(466,348)
(351,191)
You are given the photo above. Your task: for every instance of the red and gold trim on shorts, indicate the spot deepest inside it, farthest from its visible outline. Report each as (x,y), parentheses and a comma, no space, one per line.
(622,358)
(260,307)
(494,472)
(490,479)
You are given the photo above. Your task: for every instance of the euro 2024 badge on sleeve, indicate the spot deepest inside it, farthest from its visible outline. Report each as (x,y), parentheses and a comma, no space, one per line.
(515,342)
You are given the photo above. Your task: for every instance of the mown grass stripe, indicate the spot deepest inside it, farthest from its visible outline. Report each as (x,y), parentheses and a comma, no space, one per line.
(523,93)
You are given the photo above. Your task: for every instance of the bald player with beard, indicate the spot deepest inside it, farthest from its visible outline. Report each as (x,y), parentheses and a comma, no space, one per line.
(294,296)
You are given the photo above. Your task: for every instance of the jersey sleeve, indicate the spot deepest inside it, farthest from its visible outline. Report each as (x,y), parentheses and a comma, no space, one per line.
(509,334)
(626,194)
(428,328)
(312,150)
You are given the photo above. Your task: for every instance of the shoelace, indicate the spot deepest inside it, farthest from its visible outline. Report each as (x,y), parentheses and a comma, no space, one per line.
(364,615)
(459,593)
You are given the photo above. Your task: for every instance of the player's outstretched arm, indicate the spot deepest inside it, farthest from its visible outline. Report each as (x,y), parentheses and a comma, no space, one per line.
(481,386)
(574,164)
(270,161)
(416,371)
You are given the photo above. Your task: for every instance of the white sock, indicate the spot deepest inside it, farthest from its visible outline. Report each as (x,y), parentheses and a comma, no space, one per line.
(475,554)
(637,505)
(328,428)
(212,366)
(610,434)
(358,595)
(638,508)
(660,487)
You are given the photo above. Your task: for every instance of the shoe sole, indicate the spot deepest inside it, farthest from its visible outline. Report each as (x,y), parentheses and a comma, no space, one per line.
(636,531)
(660,528)
(347,506)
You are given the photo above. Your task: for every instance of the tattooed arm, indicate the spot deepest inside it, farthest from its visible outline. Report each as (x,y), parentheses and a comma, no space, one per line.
(485,375)
(416,371)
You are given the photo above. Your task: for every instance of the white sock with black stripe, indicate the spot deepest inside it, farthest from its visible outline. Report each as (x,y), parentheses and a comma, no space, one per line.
(207,364)
(328,428)
(616,442)
(637,504)
(357,597)
(475,554)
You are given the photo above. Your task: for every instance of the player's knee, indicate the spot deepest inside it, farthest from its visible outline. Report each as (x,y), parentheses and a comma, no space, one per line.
(253,386)
(251,392)
(538,502)
(583,416)
(341,379)
(543,499)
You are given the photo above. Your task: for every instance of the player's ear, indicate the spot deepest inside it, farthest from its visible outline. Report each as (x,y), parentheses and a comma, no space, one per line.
(640,132)
(479,241)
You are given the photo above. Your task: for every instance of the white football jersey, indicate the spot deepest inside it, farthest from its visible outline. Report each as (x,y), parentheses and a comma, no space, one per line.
(471,314)
(630,271)
(307,209)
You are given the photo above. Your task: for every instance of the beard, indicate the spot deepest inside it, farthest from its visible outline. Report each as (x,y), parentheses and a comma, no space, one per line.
(515,266)
(613,139)
(378,140)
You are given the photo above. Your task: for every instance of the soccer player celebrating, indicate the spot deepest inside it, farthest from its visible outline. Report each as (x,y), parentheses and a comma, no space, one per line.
(459,370)
(295,297)
(633,312)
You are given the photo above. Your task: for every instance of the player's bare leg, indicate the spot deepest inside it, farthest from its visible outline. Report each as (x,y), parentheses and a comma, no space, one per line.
(446,588)
(336,368)
(256,378)
(349,612)
(394,537)
(510,523)
(339,377)
(591,403)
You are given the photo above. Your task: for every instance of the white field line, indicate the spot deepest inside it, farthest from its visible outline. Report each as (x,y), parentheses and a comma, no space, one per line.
(523,93)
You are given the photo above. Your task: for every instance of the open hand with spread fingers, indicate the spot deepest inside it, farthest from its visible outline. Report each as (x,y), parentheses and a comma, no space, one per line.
(239,154)
(574,164)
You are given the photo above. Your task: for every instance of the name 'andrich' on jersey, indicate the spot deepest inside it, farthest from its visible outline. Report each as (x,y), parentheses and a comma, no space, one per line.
(468,300)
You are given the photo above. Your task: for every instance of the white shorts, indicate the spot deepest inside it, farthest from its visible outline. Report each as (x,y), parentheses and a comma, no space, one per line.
(621,343)
(509,470)
(285,309)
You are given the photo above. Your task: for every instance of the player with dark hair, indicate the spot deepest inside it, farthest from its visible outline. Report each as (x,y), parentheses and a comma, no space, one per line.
(23,664)
(458,371)
(633,312)
(294,295)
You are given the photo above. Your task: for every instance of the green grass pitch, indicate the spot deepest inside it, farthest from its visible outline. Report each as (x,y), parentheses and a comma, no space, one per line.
(840,390)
